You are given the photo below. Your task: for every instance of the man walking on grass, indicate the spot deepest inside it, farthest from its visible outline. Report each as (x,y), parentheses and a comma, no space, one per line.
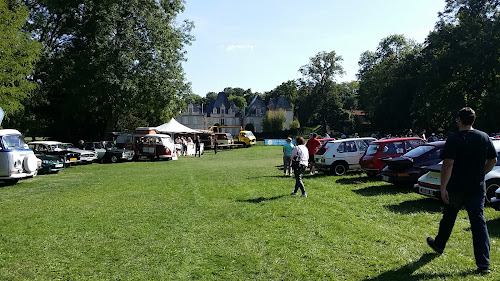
(467,156)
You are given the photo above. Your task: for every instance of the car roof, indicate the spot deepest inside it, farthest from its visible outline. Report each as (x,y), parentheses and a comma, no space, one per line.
(6,132)
(351,139)
(45,142)
(435,143)
(396,139)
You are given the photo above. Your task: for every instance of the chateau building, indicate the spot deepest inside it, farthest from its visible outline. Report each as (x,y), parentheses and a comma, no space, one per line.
(224,112)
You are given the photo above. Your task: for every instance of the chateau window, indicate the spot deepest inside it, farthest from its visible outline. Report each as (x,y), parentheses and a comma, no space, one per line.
(190,109)
(222,121)
(185,120)
(195,120)
(257,112)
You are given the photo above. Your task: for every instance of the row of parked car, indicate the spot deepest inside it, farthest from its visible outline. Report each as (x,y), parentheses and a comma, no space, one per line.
(19,159)
(408,161)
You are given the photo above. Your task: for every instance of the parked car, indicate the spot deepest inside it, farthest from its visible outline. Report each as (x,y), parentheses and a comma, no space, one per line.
(429,184)
(338,156)
(17,160)
(385,148)
(55,148)
(406,169)
(97,147)
(114,154)
(86,156)
(50,164)
(495,201)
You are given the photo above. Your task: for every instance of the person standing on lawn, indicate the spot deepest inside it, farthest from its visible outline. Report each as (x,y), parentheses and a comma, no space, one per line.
(312,145)
(197,144)
(300,157)
(287,157)
(467,156)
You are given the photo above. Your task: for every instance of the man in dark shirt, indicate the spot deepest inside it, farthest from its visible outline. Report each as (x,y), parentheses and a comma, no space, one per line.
(467,156)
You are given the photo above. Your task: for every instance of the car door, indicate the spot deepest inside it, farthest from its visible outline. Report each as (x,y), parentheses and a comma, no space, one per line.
(349,152)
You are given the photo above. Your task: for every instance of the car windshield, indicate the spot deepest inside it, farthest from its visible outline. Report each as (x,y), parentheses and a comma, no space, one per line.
(250,134)
(324,148)
(69,145)
(14,142)
(372,149)
(416,152)
(107,145)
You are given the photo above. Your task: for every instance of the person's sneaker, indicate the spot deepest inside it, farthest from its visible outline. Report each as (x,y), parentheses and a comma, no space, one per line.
(430,242)
(303,195)
(483,270)
(293,193)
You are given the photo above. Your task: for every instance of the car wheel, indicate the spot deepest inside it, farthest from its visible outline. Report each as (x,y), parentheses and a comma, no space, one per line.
(491,187)
(339,168)
(114,159)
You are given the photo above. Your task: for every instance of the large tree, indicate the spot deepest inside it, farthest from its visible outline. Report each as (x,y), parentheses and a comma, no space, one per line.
(461,65)
(109,65)
(324,102)
(18,54)
(388,83)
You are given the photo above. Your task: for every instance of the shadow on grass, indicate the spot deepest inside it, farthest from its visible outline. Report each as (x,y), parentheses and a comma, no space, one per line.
(356,180)
(493,227)
(382,189)
(261,199)
(421,205)
(406,272)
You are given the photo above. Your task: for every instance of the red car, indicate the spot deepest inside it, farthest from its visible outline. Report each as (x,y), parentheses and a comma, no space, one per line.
(385,148)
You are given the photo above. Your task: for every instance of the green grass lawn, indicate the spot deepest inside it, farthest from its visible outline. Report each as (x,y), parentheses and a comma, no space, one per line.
(225,217)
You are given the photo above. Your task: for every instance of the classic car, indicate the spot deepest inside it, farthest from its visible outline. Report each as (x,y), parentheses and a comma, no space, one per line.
(338,156)
(86,156)
(406,169)
(50,164)
(108,152)
(55,148)
(384,148)
(429,184)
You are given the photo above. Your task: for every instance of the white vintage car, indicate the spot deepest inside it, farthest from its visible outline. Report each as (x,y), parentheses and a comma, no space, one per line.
(429,183)
(338,156)
(17,161)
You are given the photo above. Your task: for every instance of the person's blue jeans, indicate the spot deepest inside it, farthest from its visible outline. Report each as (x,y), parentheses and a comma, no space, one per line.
(474,205)
(298,179)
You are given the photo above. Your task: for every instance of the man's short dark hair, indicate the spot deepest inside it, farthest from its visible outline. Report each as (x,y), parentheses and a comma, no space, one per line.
(314,135)
(467,115)
(299,141)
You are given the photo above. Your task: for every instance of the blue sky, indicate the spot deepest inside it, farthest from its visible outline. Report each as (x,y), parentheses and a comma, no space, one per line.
(260,44)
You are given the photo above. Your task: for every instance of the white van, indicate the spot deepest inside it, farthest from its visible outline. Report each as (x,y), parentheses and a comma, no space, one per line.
(17,161)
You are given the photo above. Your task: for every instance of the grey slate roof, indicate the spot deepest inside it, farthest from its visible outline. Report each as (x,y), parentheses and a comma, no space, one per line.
(257,102)
(279,103)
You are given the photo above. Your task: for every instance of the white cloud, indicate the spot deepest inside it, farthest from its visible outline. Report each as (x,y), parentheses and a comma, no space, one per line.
(231,48)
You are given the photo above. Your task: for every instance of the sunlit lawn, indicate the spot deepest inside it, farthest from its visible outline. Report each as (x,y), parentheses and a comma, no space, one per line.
(225,217)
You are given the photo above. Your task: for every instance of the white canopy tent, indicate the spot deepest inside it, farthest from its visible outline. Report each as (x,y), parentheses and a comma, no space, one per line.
(175,127)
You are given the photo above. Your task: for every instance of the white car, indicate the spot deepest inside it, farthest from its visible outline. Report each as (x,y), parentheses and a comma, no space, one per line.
(86,156)
(338,156)
(429,184)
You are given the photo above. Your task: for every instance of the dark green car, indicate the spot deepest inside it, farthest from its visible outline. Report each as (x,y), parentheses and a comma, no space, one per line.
(50,164)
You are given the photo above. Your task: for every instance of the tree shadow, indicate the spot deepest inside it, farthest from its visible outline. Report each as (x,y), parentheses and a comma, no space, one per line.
(356,180)
(414,206)
(260,199)
(406,272)
(382,190)
(493,227)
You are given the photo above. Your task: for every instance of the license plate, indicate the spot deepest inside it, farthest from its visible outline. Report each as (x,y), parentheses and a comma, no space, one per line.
(426,191)
(385,178)
(72,159)
(58,165)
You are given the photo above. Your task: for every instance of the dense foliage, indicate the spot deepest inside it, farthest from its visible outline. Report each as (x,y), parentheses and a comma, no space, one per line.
(18,54)
(106,65)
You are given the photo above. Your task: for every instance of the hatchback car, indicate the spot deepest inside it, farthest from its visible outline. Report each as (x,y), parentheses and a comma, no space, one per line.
(338,156)
(406,169)
(50,164)
(429,184)
(386,148)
